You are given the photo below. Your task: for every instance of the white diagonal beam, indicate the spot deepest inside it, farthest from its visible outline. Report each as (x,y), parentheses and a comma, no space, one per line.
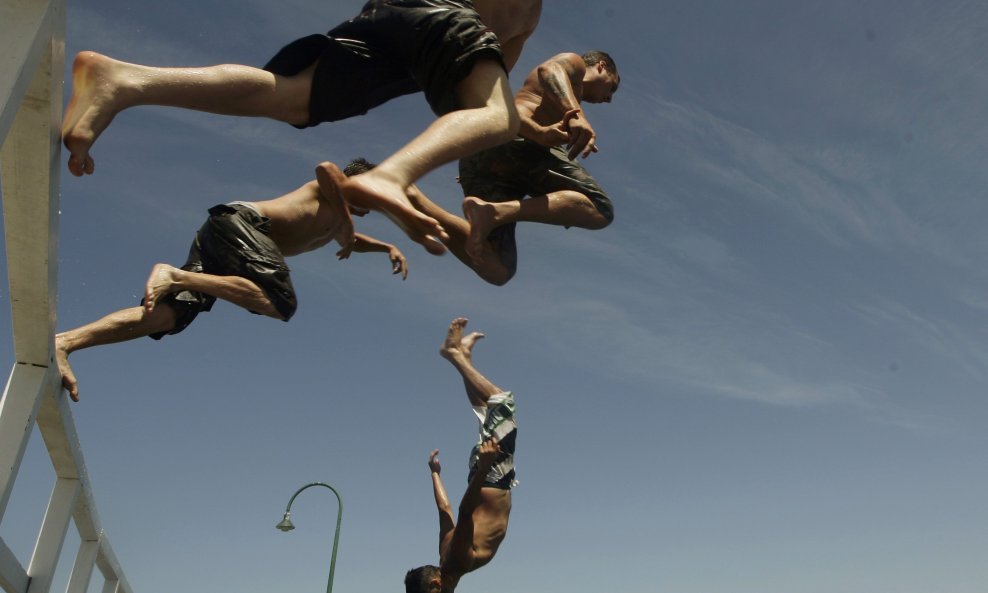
(13,577)
(18,410)
(47,550)
(82,570)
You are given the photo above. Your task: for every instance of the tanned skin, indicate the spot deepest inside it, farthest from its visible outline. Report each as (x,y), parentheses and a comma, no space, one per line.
(301,221)
(549,105)
(472,540)
(102,87)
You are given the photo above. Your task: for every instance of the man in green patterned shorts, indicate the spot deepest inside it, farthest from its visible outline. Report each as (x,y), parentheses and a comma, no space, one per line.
(471,542)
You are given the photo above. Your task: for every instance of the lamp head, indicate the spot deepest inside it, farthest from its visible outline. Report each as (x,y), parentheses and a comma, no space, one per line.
(286,523)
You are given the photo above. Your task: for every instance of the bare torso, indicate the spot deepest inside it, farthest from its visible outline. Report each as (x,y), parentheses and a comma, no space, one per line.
(302,220)
(490,525)
(530,99)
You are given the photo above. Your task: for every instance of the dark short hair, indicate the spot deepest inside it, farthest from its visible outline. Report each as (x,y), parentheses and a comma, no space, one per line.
(592,58)
(417,579)
(357,166)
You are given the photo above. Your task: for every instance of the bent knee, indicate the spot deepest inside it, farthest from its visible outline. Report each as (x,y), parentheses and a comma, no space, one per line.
(498,276)
(603,218)
(275,312)
(605,209)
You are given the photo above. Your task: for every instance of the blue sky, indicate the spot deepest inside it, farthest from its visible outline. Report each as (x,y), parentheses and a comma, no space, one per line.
(769,374)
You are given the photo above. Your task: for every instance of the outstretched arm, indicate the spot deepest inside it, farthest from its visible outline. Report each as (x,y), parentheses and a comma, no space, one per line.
(446,520)
(366,244)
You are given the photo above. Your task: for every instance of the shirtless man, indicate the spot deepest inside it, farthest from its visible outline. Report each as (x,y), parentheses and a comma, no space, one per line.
(540,164)
(238,256)
(471,542)
(456,51)
(497,180)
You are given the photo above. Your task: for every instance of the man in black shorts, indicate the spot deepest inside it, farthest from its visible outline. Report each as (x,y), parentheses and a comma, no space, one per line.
(470,541)
(238,256)
(457,51)
(496,181)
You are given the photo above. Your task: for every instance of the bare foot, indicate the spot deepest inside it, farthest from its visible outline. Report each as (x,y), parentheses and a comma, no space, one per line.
(163,280)
(483,219)
(456,344)
(330,177)
(68,377)
(94,103)
(466,344)
(372,192)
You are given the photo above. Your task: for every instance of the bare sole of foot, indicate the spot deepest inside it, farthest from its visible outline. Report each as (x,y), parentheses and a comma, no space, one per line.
(90,109)
(69,381)
(455,343)
(390,200)
(482,217)
(466,344)
(160,282)
(330,178)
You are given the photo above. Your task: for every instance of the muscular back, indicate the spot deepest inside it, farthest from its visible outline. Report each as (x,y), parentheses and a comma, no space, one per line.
(302,220)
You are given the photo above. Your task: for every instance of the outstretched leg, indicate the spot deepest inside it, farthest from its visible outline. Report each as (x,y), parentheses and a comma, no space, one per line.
(165,279)
(103,87)
(563,208)
(458,349)
(123,325)
(488,118)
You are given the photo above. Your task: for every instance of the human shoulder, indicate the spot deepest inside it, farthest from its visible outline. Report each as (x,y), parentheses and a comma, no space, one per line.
(569,60)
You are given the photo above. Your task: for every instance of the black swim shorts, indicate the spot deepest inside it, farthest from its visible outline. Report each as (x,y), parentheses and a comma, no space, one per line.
(233,242)
(523,168)
(392,48)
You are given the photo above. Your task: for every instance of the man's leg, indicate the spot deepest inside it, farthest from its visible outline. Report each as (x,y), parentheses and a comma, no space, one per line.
(488,118)
(166,279)
(562,208)
(458,349)
(126,324)
(489,266)
(103,87)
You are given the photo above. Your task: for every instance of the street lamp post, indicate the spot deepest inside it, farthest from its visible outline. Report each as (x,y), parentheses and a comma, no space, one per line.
(286,525)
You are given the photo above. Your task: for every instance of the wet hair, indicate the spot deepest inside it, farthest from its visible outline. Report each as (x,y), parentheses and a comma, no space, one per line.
(592,58)
(417,579)
(357,166)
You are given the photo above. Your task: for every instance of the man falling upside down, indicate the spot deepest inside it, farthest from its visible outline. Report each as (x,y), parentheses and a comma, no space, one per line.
(472,540)
(457,51)
(238,256)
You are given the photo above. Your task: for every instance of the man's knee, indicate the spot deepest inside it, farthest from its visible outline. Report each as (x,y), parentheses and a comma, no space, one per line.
(596,211)
(498,274)
(604,208)
(600,221)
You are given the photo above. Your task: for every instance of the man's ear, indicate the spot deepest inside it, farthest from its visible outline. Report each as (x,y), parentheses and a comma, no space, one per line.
(435,584)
